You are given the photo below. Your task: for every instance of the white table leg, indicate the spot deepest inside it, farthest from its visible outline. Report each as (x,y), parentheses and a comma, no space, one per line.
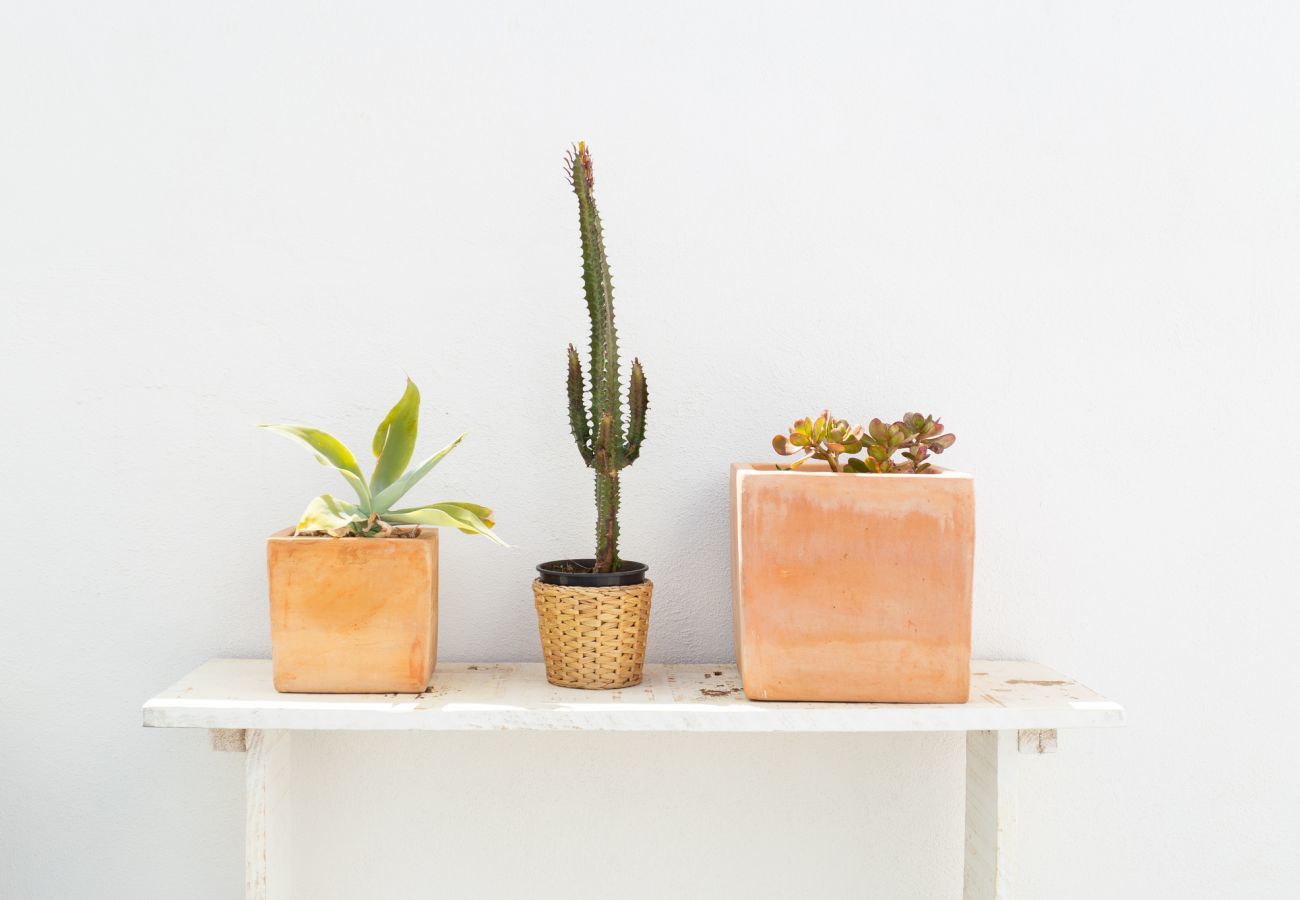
(991,806)
(990,813)
(267,816)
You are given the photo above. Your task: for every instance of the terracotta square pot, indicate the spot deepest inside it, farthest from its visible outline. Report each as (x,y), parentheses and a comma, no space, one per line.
(353,615)
(852,587)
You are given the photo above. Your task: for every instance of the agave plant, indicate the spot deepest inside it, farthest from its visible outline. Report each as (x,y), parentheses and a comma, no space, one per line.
(373,515)
(825,437)
(916,435)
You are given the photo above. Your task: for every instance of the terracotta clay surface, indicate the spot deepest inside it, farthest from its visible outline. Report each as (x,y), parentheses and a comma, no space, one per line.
(852,587)
(353,615)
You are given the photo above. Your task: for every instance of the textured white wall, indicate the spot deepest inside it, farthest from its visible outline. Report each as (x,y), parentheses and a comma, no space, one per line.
(1070,229)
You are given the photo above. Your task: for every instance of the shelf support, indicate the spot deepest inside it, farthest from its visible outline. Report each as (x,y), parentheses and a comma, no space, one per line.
(267,815)
(228,740)
(1036,740)
(990,813)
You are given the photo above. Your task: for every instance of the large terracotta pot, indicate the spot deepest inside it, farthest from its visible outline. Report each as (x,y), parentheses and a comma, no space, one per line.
(353,615)
(852,587)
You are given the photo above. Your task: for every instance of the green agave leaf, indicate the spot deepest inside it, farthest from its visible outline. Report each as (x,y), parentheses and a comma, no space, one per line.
(395,439)
(483,512)
(395,491)
(461,516)
(329,451)
(329,514)
(418,516)
(472,520)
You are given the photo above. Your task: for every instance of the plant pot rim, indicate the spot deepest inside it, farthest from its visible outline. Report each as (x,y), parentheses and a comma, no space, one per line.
(633,572)
(821,470)
(286,534)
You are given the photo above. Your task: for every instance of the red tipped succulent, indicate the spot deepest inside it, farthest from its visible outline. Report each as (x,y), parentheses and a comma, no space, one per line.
(825,437)
(915,436)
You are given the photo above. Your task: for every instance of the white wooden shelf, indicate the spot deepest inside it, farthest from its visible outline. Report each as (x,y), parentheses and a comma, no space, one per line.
(237,693)
(1014,708)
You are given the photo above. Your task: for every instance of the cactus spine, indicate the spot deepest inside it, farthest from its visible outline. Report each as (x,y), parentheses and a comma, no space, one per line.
(606,444)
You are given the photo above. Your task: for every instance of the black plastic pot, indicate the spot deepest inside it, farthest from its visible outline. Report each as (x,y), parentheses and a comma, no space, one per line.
(577,572)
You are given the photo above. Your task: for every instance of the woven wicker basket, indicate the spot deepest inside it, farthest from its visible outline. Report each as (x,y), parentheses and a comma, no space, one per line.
(593,638)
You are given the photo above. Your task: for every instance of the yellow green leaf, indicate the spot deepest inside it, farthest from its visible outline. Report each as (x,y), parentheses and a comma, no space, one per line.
(395,491)
(329,451)
(461,516)
(394,441)
(330,515)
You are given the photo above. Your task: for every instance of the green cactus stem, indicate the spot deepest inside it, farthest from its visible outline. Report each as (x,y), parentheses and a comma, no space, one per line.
(605,442)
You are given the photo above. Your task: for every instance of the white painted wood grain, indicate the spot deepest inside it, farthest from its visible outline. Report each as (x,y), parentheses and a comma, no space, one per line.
(990,814)
(237,693)
(1036,740)
(228,740)
(268,814)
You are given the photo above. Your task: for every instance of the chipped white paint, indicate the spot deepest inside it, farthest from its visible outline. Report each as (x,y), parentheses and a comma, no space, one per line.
(267,813)
(990,814)
(1036,740)
(228,740)
(237,693)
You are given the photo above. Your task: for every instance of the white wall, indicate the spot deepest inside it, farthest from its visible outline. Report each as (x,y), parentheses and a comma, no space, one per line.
(1070,229)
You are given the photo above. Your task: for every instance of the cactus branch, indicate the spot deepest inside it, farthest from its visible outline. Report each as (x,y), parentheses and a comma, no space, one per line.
(598,287)
(638,399)
(577,410)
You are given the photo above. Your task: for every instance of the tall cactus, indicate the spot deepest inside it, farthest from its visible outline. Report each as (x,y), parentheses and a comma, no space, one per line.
(605,444)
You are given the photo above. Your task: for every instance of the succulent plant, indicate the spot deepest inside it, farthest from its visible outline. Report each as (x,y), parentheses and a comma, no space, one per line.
(373,514)
(916,435)
(825,438)
(605,442)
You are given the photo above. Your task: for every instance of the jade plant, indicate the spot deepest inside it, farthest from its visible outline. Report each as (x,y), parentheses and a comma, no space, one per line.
(915,437)
(825,438)
(374,513)
(607,443)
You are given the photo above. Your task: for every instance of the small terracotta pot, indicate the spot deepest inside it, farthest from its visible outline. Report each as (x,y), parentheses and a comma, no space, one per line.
(852,587)
(353,615)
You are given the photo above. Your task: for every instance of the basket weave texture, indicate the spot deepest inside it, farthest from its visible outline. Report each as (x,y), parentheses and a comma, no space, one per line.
(593,638)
